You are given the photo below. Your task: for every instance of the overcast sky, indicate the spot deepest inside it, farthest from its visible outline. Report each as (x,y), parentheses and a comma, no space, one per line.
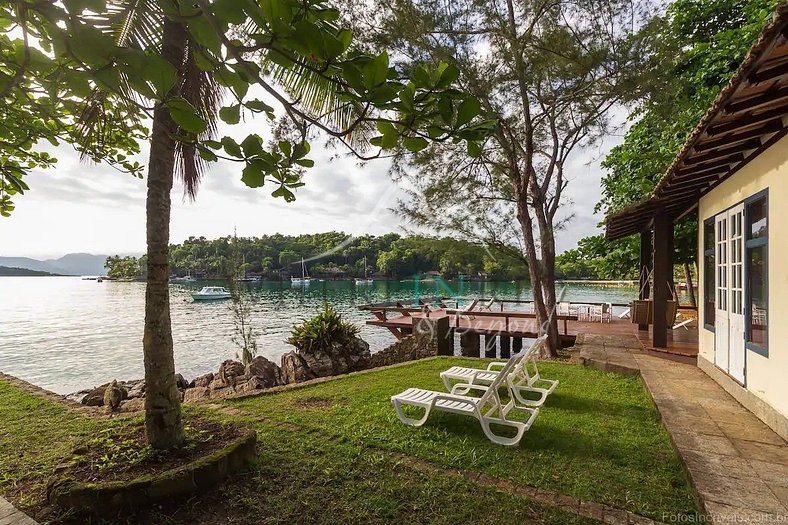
(77,207)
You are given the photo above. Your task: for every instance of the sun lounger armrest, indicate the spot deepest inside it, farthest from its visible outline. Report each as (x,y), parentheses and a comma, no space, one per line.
(450,397)
(465,387)
(496,364)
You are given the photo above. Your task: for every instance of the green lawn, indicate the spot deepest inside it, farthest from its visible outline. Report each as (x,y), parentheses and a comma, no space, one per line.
(304,478)
(598,437)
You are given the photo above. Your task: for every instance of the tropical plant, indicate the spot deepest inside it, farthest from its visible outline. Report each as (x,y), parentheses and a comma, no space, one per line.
(122,267)
(172,61)
(322,331)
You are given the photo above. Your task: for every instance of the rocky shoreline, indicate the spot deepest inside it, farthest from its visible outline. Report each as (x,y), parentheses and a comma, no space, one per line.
(297,366)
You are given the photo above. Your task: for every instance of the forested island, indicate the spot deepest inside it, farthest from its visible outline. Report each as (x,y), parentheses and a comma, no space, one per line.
(332,255)
(336,255)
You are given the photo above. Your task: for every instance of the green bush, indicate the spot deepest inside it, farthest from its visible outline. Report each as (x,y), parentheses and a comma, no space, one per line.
(321,331)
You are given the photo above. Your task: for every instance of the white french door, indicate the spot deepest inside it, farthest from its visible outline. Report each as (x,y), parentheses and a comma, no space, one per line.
(729,300)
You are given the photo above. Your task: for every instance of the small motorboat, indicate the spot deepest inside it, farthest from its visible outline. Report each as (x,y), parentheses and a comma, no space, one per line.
(184,279)
(211,293)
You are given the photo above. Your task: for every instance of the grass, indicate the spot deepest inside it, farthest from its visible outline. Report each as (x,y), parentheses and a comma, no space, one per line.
(598,437)
(298,477)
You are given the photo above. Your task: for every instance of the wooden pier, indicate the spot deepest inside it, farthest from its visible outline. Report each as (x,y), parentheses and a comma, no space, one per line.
(504,330)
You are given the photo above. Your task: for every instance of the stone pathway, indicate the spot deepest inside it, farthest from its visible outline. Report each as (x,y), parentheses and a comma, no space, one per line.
(9,515)
(737,464)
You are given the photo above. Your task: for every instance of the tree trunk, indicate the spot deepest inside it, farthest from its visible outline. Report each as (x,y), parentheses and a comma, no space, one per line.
(690,287)
(162,400)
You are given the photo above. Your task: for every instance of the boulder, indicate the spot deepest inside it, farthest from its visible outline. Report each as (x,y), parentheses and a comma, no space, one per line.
(136,389)
(267,372)
(202,381)
(136,404)
(181,382)
(95,398)
(192,395)
(295,369)
(231,372)
(339,358)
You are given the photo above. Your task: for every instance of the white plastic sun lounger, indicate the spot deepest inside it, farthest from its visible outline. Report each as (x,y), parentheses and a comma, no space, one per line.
(524,378)
(487,408)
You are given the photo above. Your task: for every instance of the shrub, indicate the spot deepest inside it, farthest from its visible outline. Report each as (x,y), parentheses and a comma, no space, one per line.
(320,332)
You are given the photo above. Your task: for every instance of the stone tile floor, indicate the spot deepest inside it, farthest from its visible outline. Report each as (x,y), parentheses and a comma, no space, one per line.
(11,516)
(738,465)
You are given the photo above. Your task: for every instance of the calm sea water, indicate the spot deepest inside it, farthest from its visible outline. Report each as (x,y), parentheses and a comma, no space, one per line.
(66,334)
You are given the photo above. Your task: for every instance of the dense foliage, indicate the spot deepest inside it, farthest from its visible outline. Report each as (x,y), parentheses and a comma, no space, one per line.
(701,44)
(122,267)
(337,255)
(322,331)
(597,258)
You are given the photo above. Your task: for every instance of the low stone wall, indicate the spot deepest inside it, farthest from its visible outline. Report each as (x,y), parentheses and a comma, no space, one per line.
(110,497)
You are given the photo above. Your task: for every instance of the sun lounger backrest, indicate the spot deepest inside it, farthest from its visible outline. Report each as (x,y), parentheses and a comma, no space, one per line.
(520,370)
(509,367)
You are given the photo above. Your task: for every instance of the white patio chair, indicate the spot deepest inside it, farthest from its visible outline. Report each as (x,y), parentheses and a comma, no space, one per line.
(523,379)
(564,308)
(625,314)
(488,408)
(601,312)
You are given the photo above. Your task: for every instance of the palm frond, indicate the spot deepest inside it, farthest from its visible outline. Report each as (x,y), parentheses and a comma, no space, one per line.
(205,94)
(320,98)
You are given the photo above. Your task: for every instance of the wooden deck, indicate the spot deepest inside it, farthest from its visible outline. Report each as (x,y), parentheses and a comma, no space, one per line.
(681,342)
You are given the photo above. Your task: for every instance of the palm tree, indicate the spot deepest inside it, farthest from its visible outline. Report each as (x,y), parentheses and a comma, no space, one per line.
(140,24)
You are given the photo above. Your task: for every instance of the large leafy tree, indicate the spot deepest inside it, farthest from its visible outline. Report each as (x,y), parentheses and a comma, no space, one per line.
(183,65)
(549,74)
(699,45)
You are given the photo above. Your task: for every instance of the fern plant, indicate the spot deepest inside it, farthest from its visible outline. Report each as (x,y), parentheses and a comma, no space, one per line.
(321,331)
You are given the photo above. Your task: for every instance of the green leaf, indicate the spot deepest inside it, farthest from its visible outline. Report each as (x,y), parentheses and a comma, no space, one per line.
(448,75)
(307,163)
(203,33)
(231,147)
(185,115)
(228,11)
(284,193)
(474,149)
(414,144)
(231,114)
(253,174)
(258,105)
(467,110)
(252,145)
(375,72)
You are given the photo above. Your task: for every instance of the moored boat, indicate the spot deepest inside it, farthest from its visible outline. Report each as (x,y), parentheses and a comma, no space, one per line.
(211,293)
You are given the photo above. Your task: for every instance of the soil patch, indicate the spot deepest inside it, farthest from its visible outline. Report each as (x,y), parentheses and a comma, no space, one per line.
(120,454)
(314,403)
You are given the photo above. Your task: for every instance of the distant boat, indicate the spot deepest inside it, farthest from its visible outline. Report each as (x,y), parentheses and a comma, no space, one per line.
(211,293)
(365,280)
(304,279)
(184,279)
(99,279)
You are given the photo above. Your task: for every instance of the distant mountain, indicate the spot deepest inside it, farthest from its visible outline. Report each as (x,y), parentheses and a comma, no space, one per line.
(70,264)
(5,271)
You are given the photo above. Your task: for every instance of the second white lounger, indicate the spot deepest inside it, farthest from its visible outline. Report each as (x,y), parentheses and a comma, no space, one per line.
(520,381)
(487,408)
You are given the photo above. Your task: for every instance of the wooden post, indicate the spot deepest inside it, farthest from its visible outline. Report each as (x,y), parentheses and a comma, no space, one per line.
(489,346)
(645,269)
(663,268)
(517,344)
(506,345)
(438,329)
(470,345)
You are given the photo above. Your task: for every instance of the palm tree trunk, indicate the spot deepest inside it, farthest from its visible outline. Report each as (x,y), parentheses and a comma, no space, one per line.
(162,399)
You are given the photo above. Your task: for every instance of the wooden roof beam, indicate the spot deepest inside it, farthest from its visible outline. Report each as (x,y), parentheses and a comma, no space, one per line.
(769,74)
(751,144)
(768,97)
(743,122)
(704,167)
(771,127)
